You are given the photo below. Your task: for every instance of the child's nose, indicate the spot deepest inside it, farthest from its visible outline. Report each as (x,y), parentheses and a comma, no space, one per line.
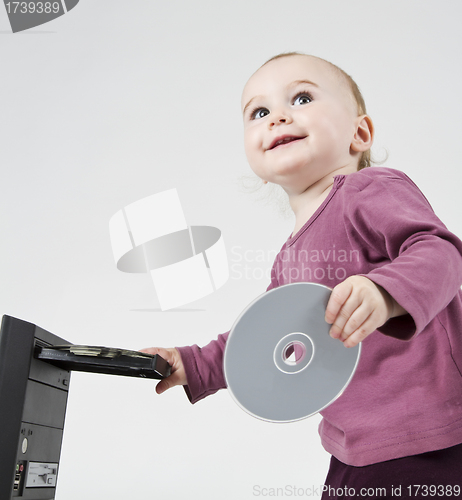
(279,117)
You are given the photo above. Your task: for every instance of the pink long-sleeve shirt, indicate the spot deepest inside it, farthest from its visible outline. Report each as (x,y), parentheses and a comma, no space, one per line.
(406,395)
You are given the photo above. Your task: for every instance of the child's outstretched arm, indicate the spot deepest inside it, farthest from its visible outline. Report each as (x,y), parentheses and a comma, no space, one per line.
(173,358)
(357,307)
(198,369)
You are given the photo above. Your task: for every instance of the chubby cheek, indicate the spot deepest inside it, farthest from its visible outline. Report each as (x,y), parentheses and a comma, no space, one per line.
(338,133)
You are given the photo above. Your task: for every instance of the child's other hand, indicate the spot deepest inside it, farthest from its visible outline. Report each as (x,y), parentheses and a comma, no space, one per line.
(357,307)
(173,358)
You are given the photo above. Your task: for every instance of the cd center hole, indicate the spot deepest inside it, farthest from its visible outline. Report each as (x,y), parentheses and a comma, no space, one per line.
(294,353)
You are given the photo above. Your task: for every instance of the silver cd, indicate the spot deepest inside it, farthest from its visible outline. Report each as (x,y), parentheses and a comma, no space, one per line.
(280,362)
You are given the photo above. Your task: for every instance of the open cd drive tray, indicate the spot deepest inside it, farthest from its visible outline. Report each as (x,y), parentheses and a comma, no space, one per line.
(108,360)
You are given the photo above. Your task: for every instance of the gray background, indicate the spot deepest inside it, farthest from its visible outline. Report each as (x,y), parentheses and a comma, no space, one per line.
(117,100)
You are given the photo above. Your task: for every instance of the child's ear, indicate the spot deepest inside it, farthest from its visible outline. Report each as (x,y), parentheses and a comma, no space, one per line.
(364,134)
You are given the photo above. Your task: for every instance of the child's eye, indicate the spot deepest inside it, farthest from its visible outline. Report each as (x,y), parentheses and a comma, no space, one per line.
(258,113)
(302,98)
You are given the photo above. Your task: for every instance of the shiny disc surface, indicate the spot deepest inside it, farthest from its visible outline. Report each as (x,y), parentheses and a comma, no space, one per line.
(280,363)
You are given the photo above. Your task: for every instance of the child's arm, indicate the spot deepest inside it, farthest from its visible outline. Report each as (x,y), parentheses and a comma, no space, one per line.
(198,369)
(357,307)
(173,358)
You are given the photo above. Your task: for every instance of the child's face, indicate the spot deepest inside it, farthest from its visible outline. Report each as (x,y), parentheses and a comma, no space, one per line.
(299,122)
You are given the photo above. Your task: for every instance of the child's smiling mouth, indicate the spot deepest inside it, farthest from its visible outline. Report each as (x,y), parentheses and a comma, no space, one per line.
(283,140)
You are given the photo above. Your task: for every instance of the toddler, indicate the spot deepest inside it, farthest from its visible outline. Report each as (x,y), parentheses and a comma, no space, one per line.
(397,291)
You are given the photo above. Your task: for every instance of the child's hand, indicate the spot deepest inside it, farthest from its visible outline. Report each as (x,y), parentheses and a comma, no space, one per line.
(173,358)
(357,307)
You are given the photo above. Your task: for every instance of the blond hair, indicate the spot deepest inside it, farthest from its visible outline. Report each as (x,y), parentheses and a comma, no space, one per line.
(365,159)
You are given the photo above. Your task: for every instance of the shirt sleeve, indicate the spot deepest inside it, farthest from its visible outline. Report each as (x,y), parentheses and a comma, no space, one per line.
(204,365)
(417,260)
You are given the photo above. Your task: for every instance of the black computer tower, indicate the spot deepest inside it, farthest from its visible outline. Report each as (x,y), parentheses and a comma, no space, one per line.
(33,399)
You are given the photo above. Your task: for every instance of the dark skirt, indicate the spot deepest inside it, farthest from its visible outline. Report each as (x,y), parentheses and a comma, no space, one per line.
(433,475)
